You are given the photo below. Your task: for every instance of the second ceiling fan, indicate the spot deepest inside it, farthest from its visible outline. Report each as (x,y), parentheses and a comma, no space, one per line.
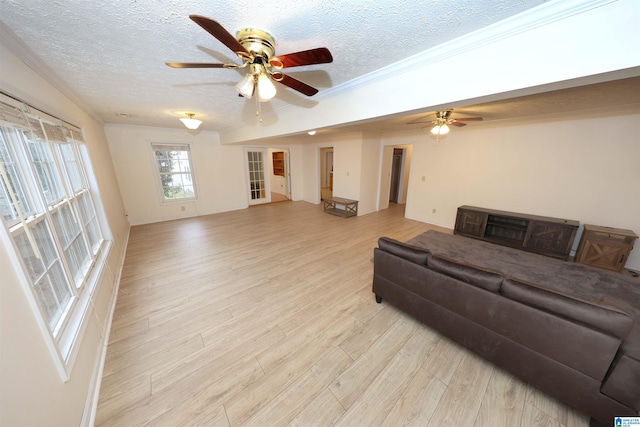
(444,120)
(256,48)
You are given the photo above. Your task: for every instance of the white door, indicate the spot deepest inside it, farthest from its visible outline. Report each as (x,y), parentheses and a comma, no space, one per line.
(258,181)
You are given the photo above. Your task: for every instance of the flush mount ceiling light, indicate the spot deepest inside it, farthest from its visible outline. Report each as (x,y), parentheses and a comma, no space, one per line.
(312,132)
(190,122)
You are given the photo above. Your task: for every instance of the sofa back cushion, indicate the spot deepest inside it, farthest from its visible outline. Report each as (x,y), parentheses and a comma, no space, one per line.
(596,316)
(408,252)
(481,277)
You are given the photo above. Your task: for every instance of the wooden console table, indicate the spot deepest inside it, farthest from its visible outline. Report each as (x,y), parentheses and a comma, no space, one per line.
(341,207)
(543,235)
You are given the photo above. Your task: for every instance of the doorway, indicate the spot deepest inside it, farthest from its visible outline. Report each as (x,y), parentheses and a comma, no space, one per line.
(280,177)
(396,175)
(326,173)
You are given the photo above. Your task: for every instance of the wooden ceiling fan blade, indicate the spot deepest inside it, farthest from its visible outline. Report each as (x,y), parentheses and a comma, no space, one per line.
(296,84)
(194,65)
(456,123)
(218,31)
(469,119)
(320,55)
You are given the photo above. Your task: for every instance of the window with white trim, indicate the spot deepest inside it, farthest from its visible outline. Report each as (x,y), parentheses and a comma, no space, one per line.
(173,163)
(49,215)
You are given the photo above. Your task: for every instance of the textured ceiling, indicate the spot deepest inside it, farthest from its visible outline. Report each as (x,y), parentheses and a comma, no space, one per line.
(111,54)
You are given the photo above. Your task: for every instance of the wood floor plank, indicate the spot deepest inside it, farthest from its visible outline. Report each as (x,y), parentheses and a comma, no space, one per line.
(534,417)
(445,359)
(374,404)
(547,405)
(324,410)
(350,384)
(213,362)
(358,344)
(199,382)
(265,316)
(461,401)
(284,373)
(417,404)
(118,392)
(323,332)
(199,417)
(283,408)
(503,403)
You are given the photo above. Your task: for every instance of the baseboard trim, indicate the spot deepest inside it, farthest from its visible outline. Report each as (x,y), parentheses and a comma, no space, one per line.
(91,404)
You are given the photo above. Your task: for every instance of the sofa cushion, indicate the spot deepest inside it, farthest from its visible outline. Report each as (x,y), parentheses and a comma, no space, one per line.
(603,318)
(553,336)
(582,282)
(482,277)
(408,252)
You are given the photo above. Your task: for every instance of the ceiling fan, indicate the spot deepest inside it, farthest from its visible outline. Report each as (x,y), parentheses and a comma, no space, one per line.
(256,49)
(444,120)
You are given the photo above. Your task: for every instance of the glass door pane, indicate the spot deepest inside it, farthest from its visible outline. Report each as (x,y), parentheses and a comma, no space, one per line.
(257,182)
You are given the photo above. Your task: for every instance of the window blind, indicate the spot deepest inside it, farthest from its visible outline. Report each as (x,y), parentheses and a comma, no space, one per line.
(170,147)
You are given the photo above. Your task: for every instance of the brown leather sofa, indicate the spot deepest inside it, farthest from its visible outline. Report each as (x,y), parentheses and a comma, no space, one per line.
(570,330)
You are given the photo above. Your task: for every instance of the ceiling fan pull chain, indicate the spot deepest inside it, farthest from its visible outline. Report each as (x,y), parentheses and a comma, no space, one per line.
(258,107)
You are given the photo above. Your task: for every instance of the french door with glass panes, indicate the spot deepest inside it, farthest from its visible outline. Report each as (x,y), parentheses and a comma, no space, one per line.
(257,179)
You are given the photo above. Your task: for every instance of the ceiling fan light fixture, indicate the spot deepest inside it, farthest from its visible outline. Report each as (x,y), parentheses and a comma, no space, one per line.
(440,129)
(190,122)
(266,88)
(246,86)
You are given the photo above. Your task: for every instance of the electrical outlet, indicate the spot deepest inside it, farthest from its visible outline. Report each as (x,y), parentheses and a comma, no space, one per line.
(433,210)
(424,178)
(347,173)
(182,208)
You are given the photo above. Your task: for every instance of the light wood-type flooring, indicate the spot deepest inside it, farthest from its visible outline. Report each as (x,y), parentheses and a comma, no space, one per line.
(265,317)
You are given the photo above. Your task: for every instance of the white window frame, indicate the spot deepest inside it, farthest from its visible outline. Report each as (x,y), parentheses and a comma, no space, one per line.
(173,146)
(64,338)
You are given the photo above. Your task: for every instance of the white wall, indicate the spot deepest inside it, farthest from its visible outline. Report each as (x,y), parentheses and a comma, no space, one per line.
(347,165)
(370,174)
(32,392)
(219,173)
(558,46)
(310,176)
(406,173)
(580,168)
(296,164)
(385,177)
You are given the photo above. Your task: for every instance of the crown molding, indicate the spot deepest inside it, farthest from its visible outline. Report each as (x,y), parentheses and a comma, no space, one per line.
(536,17)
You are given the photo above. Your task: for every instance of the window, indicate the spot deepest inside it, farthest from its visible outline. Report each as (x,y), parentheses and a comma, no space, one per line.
(174,168)
(49,216)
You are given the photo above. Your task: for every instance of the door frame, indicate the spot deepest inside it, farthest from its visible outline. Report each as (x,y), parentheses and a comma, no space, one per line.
(265,172)
(287,168)
(385,173)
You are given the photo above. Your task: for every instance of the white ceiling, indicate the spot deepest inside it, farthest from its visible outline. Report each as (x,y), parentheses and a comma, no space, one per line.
(109,55)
